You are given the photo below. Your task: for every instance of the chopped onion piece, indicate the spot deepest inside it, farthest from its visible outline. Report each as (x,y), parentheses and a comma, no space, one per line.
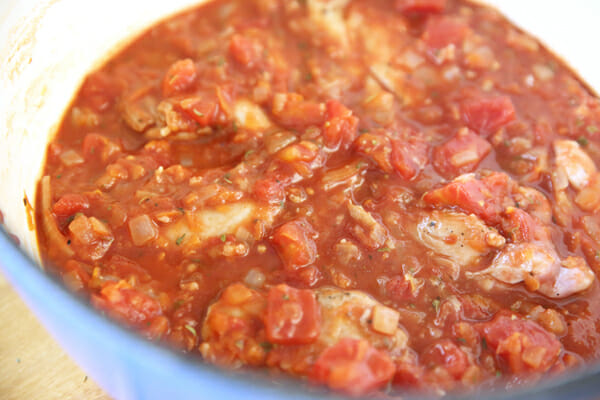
(142,230)
(70,158)
(385,320)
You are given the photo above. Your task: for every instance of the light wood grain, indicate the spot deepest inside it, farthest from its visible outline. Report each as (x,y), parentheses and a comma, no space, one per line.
(32,364)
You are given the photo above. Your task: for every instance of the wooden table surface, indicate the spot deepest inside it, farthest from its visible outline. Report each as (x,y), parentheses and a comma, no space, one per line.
(32,364)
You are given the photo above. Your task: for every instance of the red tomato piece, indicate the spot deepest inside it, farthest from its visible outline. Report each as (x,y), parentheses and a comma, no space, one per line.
(400,289)
(204,112)
(100,91)
(353,366)
(293,316)
(485,197)
(420,6)
(269,191)
(441,31)
(295,244)
(460,154)
(519,226)
(447,355)
(409,156)
(70,204)
(179,78)
(486,115)
(246,51)
(377,147)
(341,127)
(293,112)
(122,301)
(98,147)
(523,345)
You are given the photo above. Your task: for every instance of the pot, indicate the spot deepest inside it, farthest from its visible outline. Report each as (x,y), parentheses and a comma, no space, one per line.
(46,49)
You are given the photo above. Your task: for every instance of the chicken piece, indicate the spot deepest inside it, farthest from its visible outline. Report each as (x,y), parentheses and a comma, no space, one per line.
(578,166)
(327,19)
(459,238)
(346,314)
(207,223)
(541,269)
(367,229)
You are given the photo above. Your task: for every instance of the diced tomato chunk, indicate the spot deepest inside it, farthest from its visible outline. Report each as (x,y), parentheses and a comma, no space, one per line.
(98,147)
(179,78)
(486,115)
(409,156)
(441,31)
(460,154)
(100,91)
(269,191)
(377,147)
(246,51)
(399,288)
(295,244)
(519,226)
(341,127)
(293,316)
(70,204)
(293,112)
(353,366)
(121,300)
(420,6)
(485,197)
(522,344)
(204,112)
(447,355)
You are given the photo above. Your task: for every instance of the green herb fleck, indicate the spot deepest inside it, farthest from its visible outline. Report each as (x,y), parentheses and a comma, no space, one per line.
(374,142)
(285,296)
(198,113)
(191,329)
(363,130)
(239,344)
(582,140)
(411,305)
(247,154)
(58,176)
(227,178)
(436,304)
(579,122)
(462,340)
(592,129)
(282,204)
(234,126)
(484,345)
(308,77)
(223,238)
(221,62)
(85,378)
(179,240)
(266,346)
(178,303)
(384,250)
(181,210)
(507,143)
(498,374)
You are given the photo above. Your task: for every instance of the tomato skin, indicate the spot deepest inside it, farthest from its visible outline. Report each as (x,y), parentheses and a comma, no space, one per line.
(98,147)
(486,115)
(483,197)
(420,6)
(409,156)
(179,78)
(70,204)
(377,147)
(522,345)
(269,191)
(295,244)
(341,127)
(353,366)
(399,289)
(245,51)
(460,154)
(124,302)
(447,355)
(293,316)
(441,31)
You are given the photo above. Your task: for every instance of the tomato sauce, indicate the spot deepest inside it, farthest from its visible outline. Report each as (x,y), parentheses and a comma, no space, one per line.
(375,195)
